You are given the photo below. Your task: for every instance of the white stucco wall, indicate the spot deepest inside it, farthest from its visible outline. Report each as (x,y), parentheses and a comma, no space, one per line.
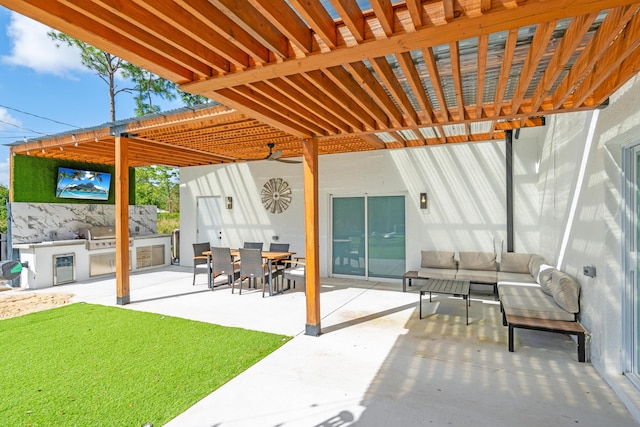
(465,184)
(248,220)
(584,151)
(526,164)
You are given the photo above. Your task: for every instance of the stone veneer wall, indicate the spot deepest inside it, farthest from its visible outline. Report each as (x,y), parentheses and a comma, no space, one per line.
(38,222)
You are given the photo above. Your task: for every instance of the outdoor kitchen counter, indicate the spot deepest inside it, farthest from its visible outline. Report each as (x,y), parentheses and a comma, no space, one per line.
(80,261)
(49,244)
(79,241)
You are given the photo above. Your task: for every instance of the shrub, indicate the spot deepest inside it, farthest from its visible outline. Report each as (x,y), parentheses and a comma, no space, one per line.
(168,221)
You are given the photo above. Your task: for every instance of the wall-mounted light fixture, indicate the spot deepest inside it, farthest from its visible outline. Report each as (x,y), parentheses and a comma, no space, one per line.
(229,202)
(423,200)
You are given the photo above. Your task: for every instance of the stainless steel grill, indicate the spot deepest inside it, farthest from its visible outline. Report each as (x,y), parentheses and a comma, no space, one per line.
(100,237)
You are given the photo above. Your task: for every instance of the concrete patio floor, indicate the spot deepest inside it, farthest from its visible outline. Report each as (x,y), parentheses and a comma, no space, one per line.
(377,363)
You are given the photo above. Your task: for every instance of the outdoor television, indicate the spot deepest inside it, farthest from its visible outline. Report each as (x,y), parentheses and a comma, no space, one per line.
(81,184)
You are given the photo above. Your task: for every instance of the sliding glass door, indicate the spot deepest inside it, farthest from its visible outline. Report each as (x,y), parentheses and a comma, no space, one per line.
(386,238)
(631,301)
(368,236)
(348,225)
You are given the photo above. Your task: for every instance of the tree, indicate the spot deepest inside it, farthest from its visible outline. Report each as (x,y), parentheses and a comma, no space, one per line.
(105,65)
(147,86)
(158,186)
(144,84)
(191,100)
(155,185)
(4,197)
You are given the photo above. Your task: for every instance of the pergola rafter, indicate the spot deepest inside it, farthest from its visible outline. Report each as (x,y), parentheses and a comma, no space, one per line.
(329,69)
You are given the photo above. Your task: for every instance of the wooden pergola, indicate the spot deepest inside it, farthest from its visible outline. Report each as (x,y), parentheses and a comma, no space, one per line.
(330,76)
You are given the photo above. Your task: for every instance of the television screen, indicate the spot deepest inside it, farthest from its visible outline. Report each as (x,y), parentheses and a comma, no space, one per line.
(80,184)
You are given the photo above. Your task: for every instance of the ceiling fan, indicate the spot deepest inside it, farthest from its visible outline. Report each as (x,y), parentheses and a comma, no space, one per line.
(275,155)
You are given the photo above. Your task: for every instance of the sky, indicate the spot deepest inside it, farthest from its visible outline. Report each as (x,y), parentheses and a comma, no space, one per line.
(44,89)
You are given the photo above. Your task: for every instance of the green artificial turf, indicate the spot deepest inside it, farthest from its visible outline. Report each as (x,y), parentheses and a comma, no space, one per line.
(90,365)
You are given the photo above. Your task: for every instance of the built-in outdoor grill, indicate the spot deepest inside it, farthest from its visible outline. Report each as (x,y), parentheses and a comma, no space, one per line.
(100,237)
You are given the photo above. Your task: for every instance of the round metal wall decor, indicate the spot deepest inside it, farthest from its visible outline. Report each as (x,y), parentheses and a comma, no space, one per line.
(276,195)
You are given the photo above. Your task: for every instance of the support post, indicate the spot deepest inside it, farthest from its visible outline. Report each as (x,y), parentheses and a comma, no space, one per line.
(508,136)
(312,246)
(122,221)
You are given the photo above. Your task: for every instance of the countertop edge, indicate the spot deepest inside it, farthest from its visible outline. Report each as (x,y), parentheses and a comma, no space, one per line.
(72,242)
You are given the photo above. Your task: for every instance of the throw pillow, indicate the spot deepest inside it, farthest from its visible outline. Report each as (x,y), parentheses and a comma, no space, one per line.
(534,265)
(544,278)
(566,291)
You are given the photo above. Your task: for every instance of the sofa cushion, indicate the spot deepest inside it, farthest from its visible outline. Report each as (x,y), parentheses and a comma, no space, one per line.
(437,273)
(534,264)
(540,307)
(438,259)
(505,276)
(518,288)
(544,278)
(477,276)
(566,291)
(512,262)
(477,261)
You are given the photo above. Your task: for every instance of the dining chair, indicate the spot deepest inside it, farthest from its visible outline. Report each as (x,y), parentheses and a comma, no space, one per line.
(253,267)
(279,247)
(223,265)
(253,245)
(295,272)
(199,258)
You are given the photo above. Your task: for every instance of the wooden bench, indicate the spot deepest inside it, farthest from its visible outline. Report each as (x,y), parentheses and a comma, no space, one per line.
(561,326)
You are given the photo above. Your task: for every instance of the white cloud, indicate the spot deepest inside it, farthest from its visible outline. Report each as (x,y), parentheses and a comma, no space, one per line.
(31,47)
(6,120)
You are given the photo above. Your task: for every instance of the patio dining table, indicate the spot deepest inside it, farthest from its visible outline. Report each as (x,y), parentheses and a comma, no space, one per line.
(269,256)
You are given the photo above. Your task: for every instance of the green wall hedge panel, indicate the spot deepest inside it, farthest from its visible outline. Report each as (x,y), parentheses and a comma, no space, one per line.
(34,180)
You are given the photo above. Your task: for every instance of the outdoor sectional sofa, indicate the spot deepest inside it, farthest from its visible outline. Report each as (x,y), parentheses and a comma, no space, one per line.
(532,293)
(477,267)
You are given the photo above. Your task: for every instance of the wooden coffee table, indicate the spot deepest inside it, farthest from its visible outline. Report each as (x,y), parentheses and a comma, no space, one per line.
(447,286)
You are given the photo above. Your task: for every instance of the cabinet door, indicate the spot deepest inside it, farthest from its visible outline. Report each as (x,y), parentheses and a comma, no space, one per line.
(102,264)
(143,257)
(157,255)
